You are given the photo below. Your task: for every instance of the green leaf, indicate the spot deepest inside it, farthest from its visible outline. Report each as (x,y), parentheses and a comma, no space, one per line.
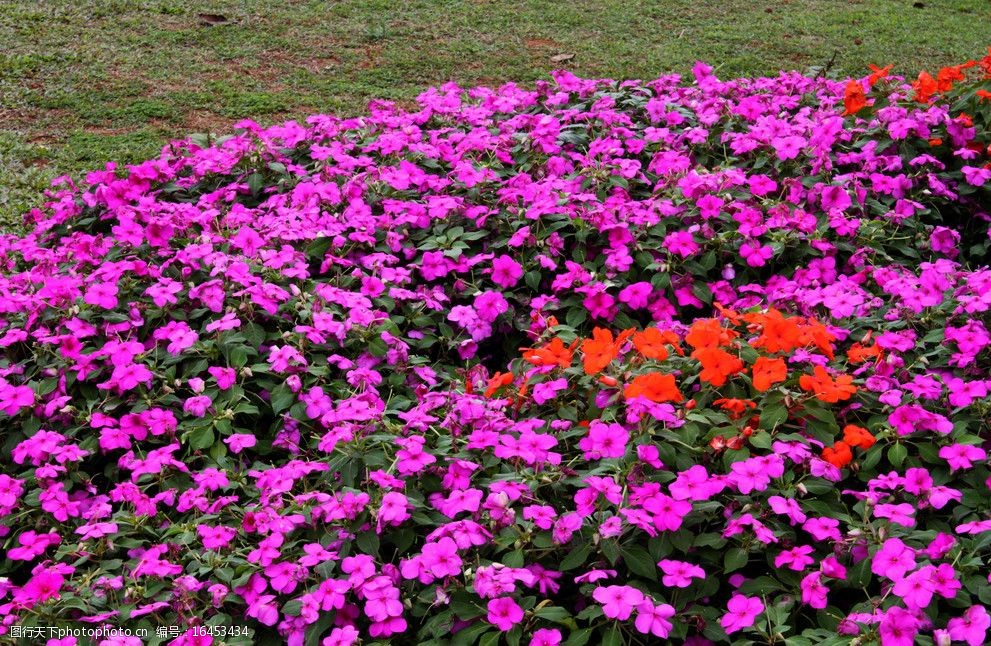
(200,439)
(579,637)
(553,613)
(576,557)
(735,559)
(281,398)
(613,637)
(897,454)
(640,562)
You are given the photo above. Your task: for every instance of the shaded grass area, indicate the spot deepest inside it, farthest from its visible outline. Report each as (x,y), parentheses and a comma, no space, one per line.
(87,82)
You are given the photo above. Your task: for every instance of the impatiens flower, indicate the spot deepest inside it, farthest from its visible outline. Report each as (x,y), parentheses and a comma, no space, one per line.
(546,637)
(679,574)
(893,560)
(618,601)
(898,627)
(506,272)
(653,619)
(813,591)
(971,627)
(504,613)
(741,613)
(240,441)
(15,398)
(767,372)
(962,456)
(654,386)
(604,441)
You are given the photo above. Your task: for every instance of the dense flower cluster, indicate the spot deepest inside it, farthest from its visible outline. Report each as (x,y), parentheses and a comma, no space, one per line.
(581,364)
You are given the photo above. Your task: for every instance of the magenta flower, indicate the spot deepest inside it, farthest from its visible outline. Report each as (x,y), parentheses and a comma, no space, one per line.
(741,613)
(618,601)
(962,456)
(813,591)
(604,441)
(653,620)
(893,560)
(504,613)
(240,441)
(971,627)
(679,574)
(15,398)
(506,272)
(546,637)
(898,627)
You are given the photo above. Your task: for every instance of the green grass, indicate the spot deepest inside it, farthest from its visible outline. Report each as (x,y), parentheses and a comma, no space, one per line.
(87,82)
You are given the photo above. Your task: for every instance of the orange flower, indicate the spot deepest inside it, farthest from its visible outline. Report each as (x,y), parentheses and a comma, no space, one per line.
(768,372)
(815,333)
(984,95)
(825,388)
(858,353)
(778,334)
(858,436)
(708,333)
(736,407)
(717,365)
(854,98)
(839,455)
(650,343)
(654,386)
(601,349)
(553,354)
(731,315)
(877,73)
(947,76)
(925,86)
(497,381)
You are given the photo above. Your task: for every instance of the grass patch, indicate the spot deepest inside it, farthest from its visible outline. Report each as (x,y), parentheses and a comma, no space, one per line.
(96,81)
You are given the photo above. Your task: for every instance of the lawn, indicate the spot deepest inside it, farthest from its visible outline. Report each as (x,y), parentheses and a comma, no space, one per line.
(84,83)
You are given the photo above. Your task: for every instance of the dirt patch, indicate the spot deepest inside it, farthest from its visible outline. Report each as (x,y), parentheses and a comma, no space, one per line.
(205,121)
(541,43)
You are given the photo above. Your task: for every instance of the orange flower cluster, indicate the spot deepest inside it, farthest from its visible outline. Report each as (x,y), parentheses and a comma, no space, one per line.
(841,453)
(554,353)
(827,389)
(599,351)
(707,338)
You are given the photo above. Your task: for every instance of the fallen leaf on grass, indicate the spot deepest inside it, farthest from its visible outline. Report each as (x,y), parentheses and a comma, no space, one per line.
(211,19)
(560,58)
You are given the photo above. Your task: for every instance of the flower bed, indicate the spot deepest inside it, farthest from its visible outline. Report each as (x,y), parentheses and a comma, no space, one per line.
(597,362)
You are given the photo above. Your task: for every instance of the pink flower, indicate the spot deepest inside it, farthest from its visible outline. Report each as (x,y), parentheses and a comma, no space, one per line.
(653,620)
(679,574)
(506,272)
(546,637)
(215,537)
(240,441)
(898,627)
(972,627)
(44,585)
(813,591)
(893,560)
(755,254)
(788,147)
(796,559)
(604,441)
(962,456)
(618,601)
(102,295)
(441,558)
(197,406)
(14,398)
(504,613)
(742,612)
(393,511)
